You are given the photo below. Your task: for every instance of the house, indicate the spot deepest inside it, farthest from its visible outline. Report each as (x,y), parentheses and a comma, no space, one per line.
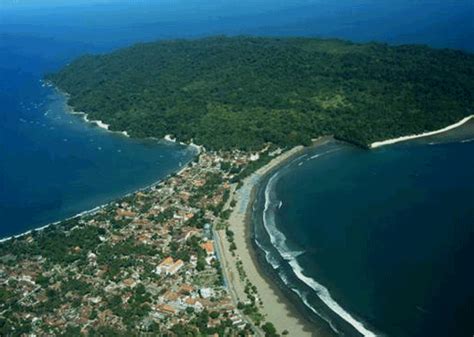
(185,196)
(170,296)
(122,213)
(208,246)
(176,267)
(165,309)
(186,289)
(169,267)
(254,157)
(206,292)
(199,182)
(187,233)
(129,282)
(164,266)
(194,303)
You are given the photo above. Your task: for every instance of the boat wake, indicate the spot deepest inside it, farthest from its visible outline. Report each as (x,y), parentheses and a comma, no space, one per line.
(279,241)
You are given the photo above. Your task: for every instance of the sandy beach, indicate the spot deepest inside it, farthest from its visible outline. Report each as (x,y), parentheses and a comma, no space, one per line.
(424,134)
(276,307)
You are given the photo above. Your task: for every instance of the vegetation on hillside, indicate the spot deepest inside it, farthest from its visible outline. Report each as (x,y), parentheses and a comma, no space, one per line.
(241,92)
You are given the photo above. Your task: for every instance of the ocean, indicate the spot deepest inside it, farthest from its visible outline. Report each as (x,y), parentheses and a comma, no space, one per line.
(54,165)
(370,242)
(376,242)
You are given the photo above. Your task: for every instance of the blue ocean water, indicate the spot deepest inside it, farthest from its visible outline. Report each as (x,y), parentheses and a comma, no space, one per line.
(52,164)
(377,242)
(386,235)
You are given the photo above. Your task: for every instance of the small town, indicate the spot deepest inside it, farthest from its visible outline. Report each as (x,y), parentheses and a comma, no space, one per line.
(147,264)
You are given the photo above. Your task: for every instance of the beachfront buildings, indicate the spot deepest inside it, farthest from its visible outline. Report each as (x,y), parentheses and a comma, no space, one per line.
(141,264)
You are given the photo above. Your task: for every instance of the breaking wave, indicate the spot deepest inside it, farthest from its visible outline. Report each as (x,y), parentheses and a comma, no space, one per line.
(304,298)
(279,241)
(322,154)
(268,256)
(277,238)
(325,296)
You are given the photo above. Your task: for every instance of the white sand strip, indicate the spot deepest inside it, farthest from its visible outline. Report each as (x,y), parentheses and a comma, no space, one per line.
(424,134)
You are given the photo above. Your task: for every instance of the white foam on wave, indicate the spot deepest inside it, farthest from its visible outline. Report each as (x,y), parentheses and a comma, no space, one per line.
(98,123)
(297,159)
(268,256)
(278,239)
(303,296)
(325,296)
(467,140)
(283,277)
(169,138)
(322,154)
(306,302)
(101,124)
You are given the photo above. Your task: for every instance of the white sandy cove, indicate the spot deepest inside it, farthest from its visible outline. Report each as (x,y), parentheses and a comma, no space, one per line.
(425,134)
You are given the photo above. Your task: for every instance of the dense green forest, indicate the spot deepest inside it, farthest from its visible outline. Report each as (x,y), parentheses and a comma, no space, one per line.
(240,92)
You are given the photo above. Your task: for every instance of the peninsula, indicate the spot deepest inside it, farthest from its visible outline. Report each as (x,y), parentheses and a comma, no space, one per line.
(174,259)
(243,92)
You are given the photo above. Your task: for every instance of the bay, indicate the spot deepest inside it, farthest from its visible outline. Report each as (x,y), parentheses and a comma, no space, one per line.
(386,234)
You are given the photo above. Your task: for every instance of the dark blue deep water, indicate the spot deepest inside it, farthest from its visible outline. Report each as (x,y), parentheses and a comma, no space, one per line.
(375,242)
(384,236)
(54,165)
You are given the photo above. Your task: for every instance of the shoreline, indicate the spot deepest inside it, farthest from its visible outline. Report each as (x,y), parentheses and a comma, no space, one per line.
(310,313)
(293,302)
(96,208)
(420,135)
(100,124)
(277,307)
(70,110)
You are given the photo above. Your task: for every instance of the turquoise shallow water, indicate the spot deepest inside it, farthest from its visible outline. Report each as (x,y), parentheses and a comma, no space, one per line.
(377,242)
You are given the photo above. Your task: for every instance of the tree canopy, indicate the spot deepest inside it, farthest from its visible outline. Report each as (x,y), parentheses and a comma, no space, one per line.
(241,92)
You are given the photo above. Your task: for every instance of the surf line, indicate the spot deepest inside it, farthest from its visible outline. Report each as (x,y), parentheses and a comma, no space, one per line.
(278,240)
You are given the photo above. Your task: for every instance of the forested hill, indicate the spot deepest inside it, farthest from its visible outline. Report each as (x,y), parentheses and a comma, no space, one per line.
(227,92)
